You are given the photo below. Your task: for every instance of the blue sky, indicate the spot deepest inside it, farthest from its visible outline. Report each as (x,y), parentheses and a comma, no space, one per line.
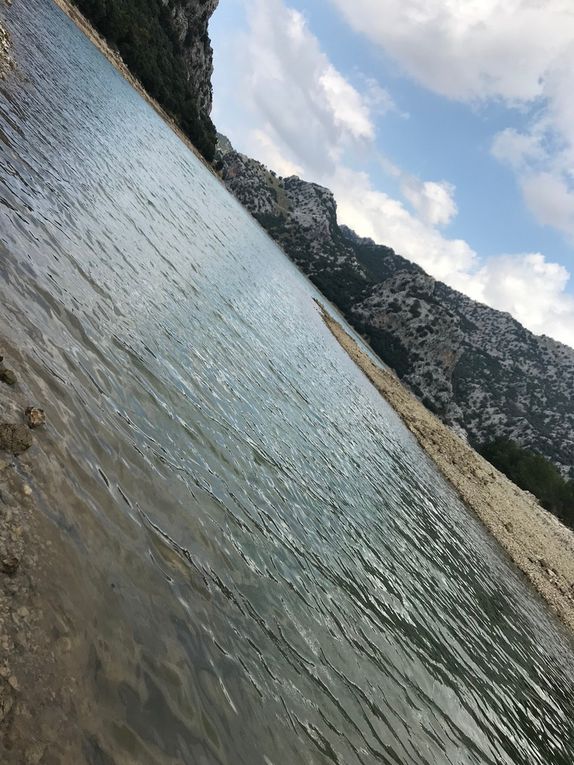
(444,127)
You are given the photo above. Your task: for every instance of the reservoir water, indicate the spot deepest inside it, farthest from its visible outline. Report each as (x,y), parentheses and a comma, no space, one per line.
(255,562)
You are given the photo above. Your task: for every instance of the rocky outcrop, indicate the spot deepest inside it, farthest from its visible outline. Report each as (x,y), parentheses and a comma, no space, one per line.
(478,369)
(190,20)
(6,62)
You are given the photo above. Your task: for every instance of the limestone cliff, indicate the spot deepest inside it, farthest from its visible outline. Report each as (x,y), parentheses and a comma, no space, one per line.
(190,20)
(6,62)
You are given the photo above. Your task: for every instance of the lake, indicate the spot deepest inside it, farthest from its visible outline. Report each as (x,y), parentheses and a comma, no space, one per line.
(255,560)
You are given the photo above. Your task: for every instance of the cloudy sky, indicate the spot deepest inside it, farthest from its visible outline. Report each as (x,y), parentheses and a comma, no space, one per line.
(445,128)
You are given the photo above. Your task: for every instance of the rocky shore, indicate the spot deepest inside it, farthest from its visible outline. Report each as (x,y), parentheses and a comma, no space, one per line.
(35,647)
(541,546)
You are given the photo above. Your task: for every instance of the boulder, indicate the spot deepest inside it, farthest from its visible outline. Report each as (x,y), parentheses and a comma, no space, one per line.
(15,439)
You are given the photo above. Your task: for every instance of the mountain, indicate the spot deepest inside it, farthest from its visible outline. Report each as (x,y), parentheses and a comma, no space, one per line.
(478,369)
(165,44)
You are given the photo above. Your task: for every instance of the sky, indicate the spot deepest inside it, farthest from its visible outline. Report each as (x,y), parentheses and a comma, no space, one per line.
(445,129)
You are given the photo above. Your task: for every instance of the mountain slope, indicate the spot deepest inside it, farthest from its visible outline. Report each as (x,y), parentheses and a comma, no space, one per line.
(477,368)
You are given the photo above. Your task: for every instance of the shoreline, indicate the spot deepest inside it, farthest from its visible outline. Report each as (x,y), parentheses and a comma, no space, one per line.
(40,656)
(536,541)
(114,58)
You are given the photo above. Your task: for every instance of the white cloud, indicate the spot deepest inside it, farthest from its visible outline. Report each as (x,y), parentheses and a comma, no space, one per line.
(350,112)
(286,86)
(543,162)
(432,200)
(519,150)
(469,49)
(528,287)
(518,52)
(551,200)
(270,154)
(379,100)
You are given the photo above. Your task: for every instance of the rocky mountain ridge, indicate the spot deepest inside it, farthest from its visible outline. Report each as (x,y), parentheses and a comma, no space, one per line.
(478,369)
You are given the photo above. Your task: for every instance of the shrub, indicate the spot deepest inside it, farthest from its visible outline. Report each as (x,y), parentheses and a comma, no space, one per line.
(533,473)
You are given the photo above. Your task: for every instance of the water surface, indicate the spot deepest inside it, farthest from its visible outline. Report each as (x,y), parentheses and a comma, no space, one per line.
(266,568)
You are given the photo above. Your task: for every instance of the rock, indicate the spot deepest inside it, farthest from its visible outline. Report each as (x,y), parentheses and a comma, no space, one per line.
(189,22)
(6,700)
(35,417)
(9,565)
(35,753)
(7,376)
(64,645)
(15,439)
(6,62)
(8,500)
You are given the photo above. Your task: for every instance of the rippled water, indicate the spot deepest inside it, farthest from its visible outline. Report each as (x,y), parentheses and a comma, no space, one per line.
(266,568)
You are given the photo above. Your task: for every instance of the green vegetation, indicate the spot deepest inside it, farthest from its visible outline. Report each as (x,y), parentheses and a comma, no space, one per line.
(535,474)
(143,33)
